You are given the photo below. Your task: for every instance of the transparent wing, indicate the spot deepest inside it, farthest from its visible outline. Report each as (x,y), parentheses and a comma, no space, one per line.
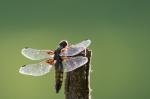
(38,69)
(74,62)
(76,49)
(35,54)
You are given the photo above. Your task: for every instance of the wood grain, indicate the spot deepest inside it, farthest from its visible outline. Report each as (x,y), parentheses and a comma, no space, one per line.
(77,83)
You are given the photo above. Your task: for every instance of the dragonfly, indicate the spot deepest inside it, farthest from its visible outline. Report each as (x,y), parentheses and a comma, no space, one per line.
(64,58)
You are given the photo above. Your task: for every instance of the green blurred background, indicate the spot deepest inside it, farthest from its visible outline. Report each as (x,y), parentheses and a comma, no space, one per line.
(120,34)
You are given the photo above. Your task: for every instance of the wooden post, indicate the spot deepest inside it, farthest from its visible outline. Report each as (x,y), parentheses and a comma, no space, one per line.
(77,84)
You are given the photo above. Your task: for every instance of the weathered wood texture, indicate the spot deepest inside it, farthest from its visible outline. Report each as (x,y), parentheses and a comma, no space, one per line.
(77,84)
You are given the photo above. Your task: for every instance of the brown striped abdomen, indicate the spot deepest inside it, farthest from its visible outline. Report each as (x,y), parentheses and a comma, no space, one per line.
(58,78)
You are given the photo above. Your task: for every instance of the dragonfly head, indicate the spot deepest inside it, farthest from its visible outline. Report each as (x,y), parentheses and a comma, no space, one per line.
(63,44)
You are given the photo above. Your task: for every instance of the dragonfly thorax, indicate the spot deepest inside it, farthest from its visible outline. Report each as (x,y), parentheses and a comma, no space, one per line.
(57,52)
(57,56)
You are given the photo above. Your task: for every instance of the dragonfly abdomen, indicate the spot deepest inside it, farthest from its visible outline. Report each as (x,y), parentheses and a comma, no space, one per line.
(58,79)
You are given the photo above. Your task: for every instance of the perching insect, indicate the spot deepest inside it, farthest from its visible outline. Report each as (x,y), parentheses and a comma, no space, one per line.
(63,58)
